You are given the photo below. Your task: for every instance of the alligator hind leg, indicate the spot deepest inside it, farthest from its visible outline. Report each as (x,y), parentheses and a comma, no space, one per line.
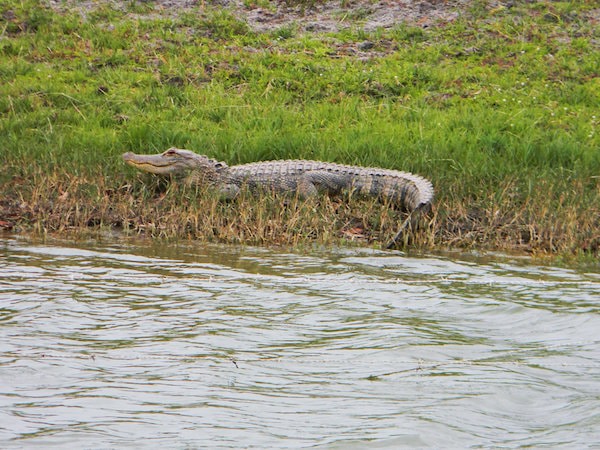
(315,181)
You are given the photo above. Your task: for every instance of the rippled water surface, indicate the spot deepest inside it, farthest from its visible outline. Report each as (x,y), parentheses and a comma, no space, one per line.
(191,346)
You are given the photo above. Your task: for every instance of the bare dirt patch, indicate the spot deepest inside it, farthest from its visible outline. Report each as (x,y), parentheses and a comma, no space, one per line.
(335,15)
(326,16)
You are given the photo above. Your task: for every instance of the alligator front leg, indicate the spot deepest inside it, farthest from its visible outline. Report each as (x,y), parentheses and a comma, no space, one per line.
(228,191)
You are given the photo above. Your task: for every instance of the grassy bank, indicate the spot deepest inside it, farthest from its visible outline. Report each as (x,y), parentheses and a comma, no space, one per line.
(499,108)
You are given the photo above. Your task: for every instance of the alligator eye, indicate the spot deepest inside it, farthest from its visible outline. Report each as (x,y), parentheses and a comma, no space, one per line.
(170,152)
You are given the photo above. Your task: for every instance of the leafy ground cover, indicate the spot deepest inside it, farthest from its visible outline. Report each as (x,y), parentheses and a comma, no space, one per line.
(498,107)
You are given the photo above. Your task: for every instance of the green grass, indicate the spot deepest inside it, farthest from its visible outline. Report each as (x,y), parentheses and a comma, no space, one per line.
(499,109)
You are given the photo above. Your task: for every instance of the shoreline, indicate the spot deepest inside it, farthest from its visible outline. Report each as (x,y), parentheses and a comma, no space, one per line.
(495,103)
(151,209)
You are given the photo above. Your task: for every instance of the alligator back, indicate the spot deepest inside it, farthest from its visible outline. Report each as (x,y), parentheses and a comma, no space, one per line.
(403,189)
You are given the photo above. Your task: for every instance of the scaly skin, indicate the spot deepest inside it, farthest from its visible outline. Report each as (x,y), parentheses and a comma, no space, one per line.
(307,178)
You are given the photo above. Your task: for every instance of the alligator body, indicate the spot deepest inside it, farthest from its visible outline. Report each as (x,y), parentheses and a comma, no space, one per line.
(306,178)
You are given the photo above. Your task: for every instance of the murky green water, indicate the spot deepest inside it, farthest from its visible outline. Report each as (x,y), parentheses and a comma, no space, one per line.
(146,346)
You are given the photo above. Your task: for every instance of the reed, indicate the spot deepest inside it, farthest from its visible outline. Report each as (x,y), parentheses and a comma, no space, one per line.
(499,109)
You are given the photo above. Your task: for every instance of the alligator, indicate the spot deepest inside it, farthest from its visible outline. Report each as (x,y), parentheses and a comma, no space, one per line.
(306,178)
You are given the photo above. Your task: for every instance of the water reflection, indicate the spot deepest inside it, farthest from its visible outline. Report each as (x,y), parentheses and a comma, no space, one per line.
(122,345)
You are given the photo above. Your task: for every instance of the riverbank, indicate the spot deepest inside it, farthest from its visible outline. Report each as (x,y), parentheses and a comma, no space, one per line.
(496,103)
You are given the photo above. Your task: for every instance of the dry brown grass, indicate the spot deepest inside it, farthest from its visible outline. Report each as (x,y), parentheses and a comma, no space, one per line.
(501,221)
(552,219)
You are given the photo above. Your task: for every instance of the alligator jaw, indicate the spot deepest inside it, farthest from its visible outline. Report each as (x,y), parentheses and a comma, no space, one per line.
(155,164)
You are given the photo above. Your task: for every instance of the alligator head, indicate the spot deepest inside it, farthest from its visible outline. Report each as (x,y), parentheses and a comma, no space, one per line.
(178,163)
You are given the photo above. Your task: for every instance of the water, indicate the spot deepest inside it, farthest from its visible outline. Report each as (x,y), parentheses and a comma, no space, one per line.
(141,345)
